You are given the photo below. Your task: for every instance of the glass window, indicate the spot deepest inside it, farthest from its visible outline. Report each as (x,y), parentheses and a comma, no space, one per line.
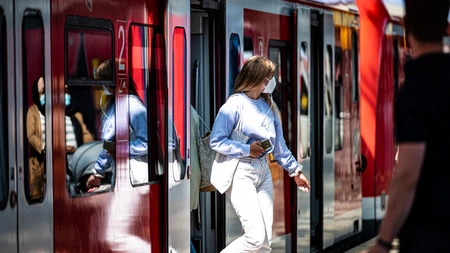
(446,43)
(234,61)
(338,100)
(328,99)
(90,123)
(34,106)
(396,59)
(179,95)
(355,67)
(248,48)
(304,100)
(4,181)
(88,44)
(279,54)
(147,83)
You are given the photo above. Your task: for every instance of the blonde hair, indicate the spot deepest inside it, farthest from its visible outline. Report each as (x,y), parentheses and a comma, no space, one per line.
(253,73)
(104,70)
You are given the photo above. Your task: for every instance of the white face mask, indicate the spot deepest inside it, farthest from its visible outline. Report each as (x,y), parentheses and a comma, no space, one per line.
(106,91)
(270,86)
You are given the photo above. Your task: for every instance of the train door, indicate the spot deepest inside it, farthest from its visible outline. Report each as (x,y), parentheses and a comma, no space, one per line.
(318,96)
(178,55)
(204,44)
(304,121)
(8,182)
(30,173)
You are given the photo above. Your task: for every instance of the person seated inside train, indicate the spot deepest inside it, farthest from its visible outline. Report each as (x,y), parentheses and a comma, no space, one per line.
(77,133)
(36,139)
(138,134)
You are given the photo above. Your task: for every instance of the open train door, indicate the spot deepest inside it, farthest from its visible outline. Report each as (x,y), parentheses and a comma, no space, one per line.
(177,178)
(26,218)
(304,123)
(8,188)
(315,36)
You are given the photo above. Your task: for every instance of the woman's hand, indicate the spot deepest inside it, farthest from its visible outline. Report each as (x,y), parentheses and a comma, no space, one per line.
(302,182)
(93,183)
(256,150)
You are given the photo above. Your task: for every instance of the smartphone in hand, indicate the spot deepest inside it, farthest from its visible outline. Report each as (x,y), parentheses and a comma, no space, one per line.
(109,146)
(265,144)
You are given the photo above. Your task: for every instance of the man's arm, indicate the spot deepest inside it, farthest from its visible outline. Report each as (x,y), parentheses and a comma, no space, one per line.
(402,189)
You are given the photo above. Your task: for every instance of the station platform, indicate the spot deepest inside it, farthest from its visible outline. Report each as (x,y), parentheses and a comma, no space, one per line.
(364,247)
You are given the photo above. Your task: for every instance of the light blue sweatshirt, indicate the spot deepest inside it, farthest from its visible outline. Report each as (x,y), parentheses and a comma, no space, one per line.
(138,142)
(259,123)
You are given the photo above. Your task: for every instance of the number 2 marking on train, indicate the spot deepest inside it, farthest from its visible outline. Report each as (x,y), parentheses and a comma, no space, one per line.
(121,32)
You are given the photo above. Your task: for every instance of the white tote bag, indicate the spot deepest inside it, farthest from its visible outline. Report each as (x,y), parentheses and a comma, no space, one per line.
(224,167)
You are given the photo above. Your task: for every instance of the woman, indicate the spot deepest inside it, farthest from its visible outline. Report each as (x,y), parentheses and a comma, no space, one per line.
(251,189)
(76,135)
(138,134)
(36,139)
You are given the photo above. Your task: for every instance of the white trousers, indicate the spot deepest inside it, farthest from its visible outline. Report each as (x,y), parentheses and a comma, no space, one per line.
(251,195)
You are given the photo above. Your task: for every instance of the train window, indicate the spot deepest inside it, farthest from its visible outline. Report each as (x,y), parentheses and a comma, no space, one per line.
(355,67)
(338,99)
(147,85)
(279,54)
(446,43)
(234,61)
(328,107)
(88,42)
(396,64)
(248,47)
(4,180)
(178,139)
(34,104)
(89,99)
(304,100)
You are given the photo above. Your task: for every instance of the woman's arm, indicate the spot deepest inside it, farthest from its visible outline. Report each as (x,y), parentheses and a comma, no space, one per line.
(281,152)
(87,136)
(226,120)
(138,122)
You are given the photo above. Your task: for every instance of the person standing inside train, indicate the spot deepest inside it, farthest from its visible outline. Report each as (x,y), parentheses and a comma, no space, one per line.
(36,139)
(418,210)
(251,189)
(77,134)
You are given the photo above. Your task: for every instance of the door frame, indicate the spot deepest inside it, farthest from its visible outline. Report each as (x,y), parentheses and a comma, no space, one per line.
(36,219)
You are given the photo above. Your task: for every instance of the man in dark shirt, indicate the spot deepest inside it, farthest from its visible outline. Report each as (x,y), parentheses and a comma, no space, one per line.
(419,203)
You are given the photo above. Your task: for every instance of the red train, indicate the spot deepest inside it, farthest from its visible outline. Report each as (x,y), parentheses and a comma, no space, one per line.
(338,69)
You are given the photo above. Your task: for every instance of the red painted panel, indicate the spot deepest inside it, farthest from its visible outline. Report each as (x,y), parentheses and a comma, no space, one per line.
(93,223)
(179,84)
(263,26)
(385,129)
(373,20)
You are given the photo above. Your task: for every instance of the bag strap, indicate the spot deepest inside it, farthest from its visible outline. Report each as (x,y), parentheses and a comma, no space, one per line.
(204,122)
(240,122)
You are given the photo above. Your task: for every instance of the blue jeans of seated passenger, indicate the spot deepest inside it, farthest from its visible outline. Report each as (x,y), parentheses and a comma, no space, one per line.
(252,188)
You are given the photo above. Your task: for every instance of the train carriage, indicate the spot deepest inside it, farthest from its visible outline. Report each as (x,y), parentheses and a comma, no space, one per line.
(169,56)
(64,42)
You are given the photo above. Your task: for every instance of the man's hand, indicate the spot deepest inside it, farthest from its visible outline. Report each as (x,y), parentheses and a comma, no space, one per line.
(93,183)
(302,182)
(378,249)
